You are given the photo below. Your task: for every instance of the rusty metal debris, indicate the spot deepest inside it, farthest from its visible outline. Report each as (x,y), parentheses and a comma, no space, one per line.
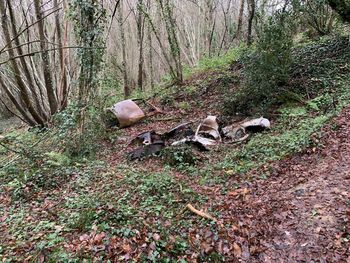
(200,143)
(151,144)
(207,134)
(145,151)
(181,131)
(256,125)
(209,127)
(235,133)
(241,132)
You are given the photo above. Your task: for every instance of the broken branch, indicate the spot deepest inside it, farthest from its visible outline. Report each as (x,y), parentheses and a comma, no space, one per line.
(200,213)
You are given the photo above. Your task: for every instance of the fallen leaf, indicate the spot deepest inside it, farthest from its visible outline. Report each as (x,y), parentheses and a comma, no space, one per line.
(237,250)
(156,237)
(84,237)
(126,248)
(99,237)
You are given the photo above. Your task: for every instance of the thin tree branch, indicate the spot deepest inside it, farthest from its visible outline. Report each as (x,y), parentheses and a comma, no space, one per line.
(46,50)
(25,29)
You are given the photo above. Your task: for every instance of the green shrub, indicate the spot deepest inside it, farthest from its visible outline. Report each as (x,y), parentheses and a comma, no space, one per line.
(179,156)
(75,143)
(265,69)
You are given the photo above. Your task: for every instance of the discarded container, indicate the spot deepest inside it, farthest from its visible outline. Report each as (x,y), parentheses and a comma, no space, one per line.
(127,113)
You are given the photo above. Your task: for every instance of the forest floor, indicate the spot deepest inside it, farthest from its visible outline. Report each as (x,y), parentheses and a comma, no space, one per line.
(292,210)
(301,213)
(8,123)
(281,196)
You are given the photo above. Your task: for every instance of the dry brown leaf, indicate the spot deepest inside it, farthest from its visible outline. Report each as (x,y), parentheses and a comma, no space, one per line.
(237,250)
(156,237)
(126,248)
(84,237)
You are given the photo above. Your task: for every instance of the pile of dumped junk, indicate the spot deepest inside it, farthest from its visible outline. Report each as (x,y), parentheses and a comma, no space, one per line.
(208,133)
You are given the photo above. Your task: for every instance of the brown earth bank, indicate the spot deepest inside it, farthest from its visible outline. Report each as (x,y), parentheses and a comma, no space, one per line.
(301,212)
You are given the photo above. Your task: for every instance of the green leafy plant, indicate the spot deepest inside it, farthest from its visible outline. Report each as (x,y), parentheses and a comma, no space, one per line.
(179,156)
(266,68)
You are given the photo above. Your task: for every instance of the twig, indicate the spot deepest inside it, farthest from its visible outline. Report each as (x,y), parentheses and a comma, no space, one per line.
(28,43)
(46,50)
(111,21)
(167,119)
(9,148)
(200,213)
(25,29)
(31,147)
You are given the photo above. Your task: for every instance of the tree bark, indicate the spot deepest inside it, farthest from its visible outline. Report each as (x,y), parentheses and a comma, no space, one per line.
(62,84)
(19,107)
(160,43)
(24,92)
(150,53)
(26,71)
(140,36)
(122,36)
(251,5)
(52,98)
(209,24)
(167,12)
(240,21)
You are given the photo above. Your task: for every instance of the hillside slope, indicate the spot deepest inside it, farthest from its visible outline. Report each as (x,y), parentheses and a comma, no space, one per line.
(301,213)
(280,196)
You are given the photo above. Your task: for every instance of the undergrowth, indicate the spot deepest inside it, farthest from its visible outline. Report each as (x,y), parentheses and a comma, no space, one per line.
(295,129)
(80,194)
(313,70)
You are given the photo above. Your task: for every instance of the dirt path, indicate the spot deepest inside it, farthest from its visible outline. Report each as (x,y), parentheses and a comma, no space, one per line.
(301,213)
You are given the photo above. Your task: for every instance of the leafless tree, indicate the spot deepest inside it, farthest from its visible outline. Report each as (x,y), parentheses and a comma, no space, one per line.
(29,81)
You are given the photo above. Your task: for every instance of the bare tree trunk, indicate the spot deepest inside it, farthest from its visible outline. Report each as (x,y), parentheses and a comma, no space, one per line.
(64,63)
(122,36)
(209,25)
(38,104)
(175,41)
(251,5)
(150,54)
(240,21)
(161,45)
(17,104)
(167,12)
(46,60)
(225,12)
(24,92)
(62,83)
(140,36)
